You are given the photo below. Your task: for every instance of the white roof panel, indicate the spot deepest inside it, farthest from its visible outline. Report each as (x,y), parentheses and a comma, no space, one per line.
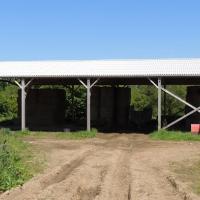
(101,68)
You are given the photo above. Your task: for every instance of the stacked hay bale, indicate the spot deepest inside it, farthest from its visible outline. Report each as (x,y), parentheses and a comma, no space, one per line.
(95,105)
(140,118)
(192,97)
(122,106)
(110,106)
(44,108)
(107,106)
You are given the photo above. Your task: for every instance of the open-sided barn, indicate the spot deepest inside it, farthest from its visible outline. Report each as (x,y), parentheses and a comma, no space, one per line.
(90,73)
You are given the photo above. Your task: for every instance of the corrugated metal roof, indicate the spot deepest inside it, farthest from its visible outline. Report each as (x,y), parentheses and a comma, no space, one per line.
(101,68)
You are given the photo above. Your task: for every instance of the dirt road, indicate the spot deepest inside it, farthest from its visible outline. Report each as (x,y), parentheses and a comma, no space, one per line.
(109,167)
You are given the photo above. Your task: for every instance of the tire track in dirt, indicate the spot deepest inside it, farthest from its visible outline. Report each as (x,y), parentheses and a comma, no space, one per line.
(113,171)
(117,184)
(92,174)
(52,176)
(82,183)
(64,171)
(92,192)
(71,179)
(148,178)
(114,167)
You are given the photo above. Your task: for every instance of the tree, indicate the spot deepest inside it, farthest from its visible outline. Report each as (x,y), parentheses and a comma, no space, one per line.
(8,101)
(146,96)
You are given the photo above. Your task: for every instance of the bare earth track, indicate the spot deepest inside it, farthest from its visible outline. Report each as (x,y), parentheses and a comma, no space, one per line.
(109,167)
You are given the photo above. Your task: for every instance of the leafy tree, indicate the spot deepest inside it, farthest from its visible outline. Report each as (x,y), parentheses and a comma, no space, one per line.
(8,102)
(146,96)
(173,106)
(75,102)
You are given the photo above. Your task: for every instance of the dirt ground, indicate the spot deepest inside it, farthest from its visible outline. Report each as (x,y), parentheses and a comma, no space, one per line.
(109,167)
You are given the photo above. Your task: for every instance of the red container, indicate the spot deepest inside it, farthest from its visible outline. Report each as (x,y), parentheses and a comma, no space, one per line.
(195,128)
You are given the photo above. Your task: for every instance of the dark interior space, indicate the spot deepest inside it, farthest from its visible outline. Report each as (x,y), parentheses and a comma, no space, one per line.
(111,110)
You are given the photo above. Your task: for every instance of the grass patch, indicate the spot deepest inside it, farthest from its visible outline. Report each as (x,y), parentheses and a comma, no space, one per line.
(77,135)
(58,135)
(18,161)
(174,135)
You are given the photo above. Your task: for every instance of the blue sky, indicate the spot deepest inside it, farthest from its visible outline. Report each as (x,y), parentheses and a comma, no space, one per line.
(99,29)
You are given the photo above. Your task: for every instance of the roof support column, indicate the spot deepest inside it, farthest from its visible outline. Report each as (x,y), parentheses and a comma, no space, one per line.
(88,86)
(164,110)
(159,104)
(88,105)
(23,105)
(23,87)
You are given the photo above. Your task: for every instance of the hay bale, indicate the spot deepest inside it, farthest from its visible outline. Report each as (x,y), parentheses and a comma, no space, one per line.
(95,105)
(122,106)
(140,117)
(44,107)
(107,106)
(192,97)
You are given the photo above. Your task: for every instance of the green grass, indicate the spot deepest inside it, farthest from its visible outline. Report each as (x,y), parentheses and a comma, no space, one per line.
(58,135)
(174,136)
(18,161)
(77,135)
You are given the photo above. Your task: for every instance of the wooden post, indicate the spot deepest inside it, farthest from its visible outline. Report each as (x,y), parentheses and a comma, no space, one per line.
(159,104)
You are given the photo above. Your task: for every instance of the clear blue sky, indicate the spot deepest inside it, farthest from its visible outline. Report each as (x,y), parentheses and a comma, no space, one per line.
(99,29)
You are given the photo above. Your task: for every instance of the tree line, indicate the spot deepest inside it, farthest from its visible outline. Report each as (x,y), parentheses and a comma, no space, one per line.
(142,96)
